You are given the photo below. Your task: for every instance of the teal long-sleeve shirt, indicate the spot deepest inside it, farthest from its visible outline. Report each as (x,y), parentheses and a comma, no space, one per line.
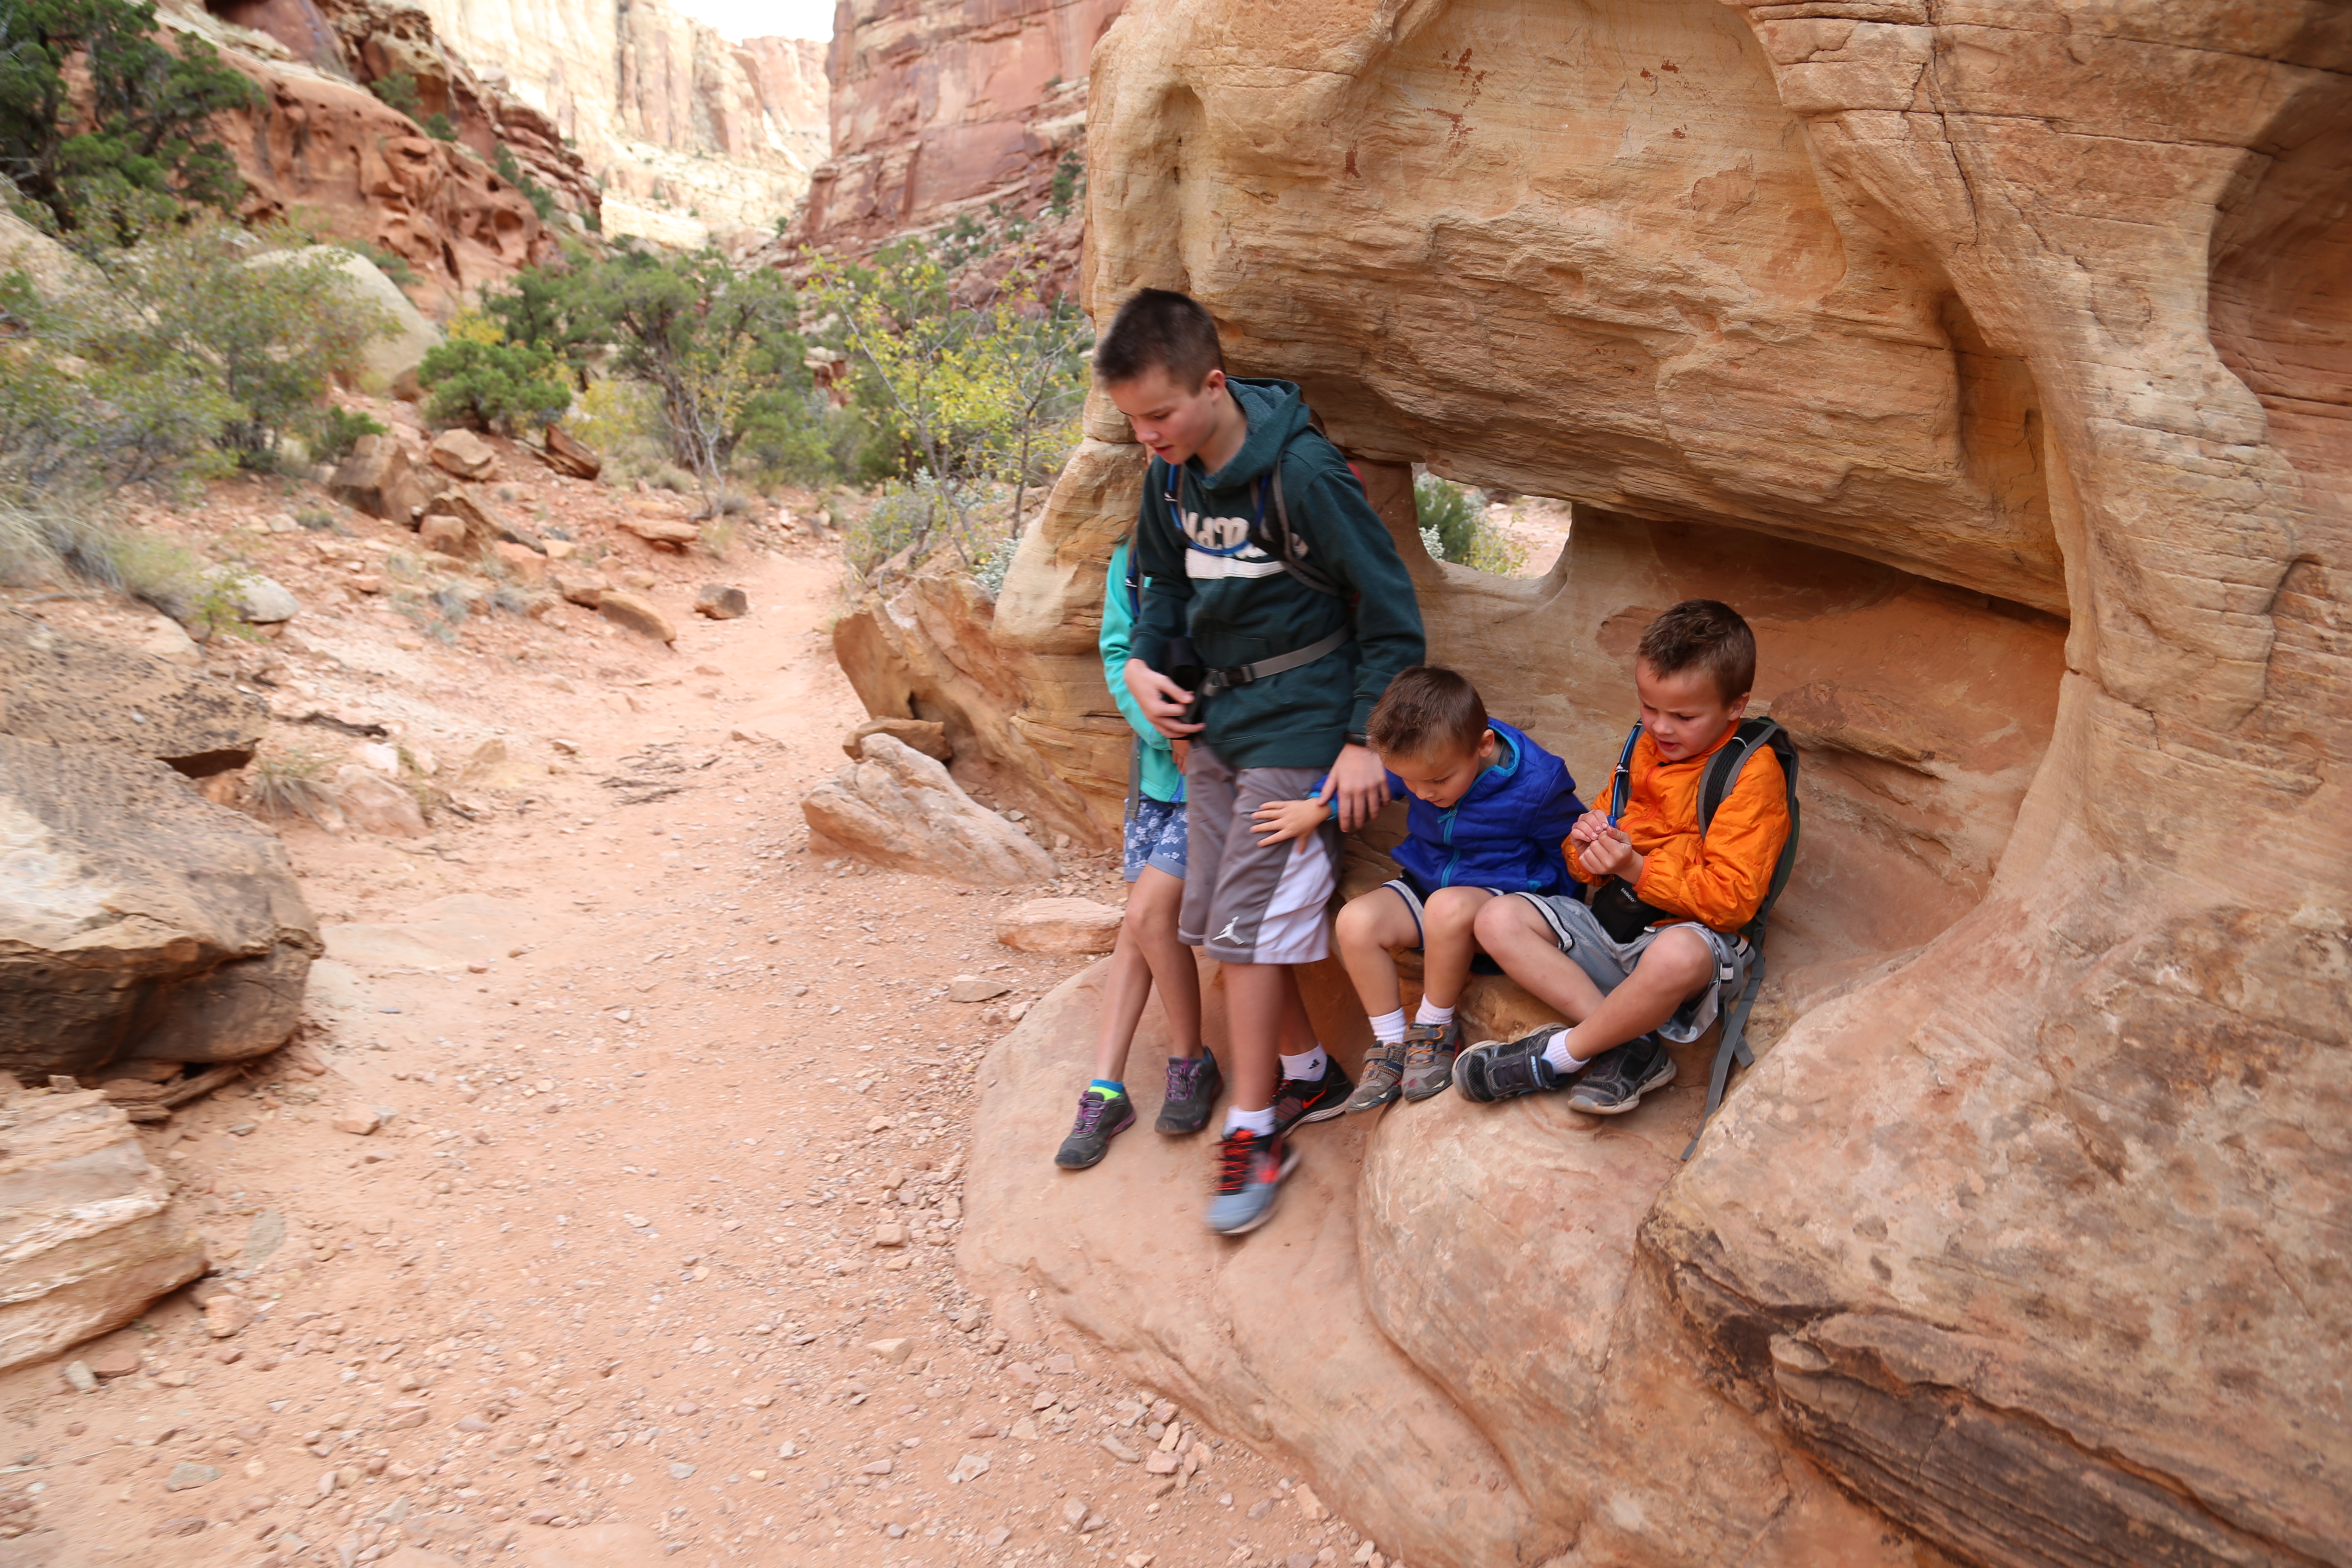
(1159,779)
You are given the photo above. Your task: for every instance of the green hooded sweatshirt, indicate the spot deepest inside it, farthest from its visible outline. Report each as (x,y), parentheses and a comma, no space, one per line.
(1239,604)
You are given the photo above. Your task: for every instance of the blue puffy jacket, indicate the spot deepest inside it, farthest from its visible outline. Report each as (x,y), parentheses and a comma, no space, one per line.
(1506,830)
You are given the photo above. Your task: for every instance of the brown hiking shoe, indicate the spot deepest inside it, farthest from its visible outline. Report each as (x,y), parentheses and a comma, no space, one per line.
(1384,1065)
(1429,1052)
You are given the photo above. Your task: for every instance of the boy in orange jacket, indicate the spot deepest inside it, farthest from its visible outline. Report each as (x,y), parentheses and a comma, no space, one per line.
(1678,896)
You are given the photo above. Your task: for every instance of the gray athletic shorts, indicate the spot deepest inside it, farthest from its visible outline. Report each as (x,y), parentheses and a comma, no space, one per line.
(1609,960)
(1243,901)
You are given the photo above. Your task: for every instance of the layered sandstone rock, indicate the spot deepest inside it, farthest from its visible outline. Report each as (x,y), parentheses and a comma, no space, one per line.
(86,1237)
(940,108)
(59,688)
(1989,366)
(898,807)
(138,919)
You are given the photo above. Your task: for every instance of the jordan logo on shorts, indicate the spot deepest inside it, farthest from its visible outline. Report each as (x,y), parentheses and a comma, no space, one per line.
(1229,934)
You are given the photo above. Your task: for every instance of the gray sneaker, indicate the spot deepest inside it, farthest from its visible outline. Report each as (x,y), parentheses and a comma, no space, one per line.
(1193,1085)
(1617,1079)
(1384,1065)
(1250,1169)
(1101,1118)
(1429,1052)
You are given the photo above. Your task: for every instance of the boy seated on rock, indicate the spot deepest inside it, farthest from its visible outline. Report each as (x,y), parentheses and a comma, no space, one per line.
(1488,810)
(1657,950)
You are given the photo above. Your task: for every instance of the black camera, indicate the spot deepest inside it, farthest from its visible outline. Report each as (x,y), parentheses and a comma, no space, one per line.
(1185,668)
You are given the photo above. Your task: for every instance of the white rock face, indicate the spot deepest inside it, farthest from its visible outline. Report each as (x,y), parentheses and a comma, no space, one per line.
(666,111)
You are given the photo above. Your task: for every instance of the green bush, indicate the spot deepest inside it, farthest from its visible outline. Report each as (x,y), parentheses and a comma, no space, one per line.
(1453,527)
(339,431)
(542,199)
(437,126)
(104,127)
(397,89)
(492,387)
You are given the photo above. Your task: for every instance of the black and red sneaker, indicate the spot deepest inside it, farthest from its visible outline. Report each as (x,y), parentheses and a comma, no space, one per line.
(1250,1169)
(1319,1099)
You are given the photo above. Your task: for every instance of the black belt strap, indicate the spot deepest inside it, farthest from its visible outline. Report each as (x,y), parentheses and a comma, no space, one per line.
(1242,674)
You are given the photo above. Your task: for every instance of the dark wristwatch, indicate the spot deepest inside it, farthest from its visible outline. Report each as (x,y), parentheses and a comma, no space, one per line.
(1357,738)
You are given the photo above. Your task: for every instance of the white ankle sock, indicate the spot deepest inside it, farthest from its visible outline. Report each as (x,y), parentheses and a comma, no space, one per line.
(1258,1121)
(1557,1054)
(1438,1016)
(1388,1028)
(1308,1067)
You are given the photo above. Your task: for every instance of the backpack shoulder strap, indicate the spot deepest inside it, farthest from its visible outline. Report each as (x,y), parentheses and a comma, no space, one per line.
(1621,783)
(1285,548)
(1723,770)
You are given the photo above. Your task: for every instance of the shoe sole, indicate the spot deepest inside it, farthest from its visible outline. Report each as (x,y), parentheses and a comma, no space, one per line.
(1657,1080)
(1361,1102)
(1290,1163)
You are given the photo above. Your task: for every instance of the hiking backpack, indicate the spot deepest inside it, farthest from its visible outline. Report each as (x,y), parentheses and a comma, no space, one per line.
(1714,787)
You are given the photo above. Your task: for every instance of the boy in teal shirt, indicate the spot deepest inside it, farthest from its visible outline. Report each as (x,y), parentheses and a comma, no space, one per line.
(1149,949)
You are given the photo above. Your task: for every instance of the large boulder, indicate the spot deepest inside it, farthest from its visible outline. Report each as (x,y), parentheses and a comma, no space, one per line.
(463,454)
(899,808)
(86,1237)
(379,479)
(384,360)
(58,687)
(138,919)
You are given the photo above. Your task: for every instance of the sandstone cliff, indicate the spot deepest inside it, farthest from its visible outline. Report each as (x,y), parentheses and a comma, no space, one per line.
(940,108)
(1992,364)
(669,114)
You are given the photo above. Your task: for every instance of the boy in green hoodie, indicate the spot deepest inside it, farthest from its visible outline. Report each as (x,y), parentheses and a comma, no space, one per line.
(1293,649)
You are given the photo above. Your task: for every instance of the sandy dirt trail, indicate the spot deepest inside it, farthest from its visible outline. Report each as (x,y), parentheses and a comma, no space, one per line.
(652,1256)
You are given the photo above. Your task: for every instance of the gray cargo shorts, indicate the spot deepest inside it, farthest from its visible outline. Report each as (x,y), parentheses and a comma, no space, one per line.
(1607,961)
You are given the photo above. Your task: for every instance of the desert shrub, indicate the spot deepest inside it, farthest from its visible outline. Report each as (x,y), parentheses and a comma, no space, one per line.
(542,199)
(283,783)
(104,127)
(1453,527)
(397,89)
(720,536)
(177,581)
(622,419)
(437,126)
(493,385)
(43,538)
(906,515)
(340,430)
(990,573)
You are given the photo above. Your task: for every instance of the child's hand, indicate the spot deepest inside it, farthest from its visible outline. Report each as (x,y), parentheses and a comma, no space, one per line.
(1588,829)
(1612,855)
(1277,820)
(1182,751)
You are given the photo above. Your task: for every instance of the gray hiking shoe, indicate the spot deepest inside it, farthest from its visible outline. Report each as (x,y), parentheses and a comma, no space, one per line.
(1429,1052)
(1250,1169)
(1618,1078)
(1383,1066)
(1193,1085)
(1101,1118)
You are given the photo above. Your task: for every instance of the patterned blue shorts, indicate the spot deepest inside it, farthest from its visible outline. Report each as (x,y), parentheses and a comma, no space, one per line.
(1155,837)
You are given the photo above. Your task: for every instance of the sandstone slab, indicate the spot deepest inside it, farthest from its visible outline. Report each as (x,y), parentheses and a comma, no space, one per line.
(660,529)
(927,736)
(463,453)
(568,455)
(86,1237)
(584,588)
(1060,925)
(138,919)
(899,808)
(378,479)
(636,612)
(58,687)
(373,804)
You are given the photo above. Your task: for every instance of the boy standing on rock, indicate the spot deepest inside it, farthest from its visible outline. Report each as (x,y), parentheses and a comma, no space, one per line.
(1276,590)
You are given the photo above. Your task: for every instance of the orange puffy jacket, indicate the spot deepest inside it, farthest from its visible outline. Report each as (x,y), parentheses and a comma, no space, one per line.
(1719,880)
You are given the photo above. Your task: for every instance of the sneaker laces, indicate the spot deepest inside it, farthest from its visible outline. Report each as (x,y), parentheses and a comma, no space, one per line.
(1091,1107)
(1235,1152)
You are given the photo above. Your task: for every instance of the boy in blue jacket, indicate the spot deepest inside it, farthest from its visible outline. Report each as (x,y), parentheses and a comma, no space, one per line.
(1489,808)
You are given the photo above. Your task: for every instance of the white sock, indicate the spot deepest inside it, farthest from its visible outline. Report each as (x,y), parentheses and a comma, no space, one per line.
(1308,1067)
(1388,1028)
(1437,1017)
(1557,1054)
(1258,1121)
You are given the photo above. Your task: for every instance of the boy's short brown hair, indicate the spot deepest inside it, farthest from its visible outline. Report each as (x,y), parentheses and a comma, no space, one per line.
(1705,635)
(1427,708)
(1159,329)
